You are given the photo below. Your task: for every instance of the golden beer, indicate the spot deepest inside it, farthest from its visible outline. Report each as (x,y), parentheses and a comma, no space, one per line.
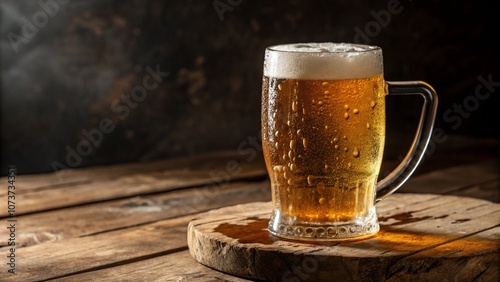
(323,128)
(323,145)
(323,134)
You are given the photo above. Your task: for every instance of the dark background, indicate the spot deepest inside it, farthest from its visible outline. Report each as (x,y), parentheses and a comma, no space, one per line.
(68,76)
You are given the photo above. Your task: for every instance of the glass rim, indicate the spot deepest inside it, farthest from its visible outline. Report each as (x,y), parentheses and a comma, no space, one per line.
(364,48)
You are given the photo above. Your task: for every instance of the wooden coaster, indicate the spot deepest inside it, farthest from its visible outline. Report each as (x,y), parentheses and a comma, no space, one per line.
(422,237)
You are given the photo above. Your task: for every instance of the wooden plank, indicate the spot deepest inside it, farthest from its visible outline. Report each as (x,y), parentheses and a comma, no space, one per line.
(73,255)
(179,266)
(101,217)
(489,190)
(214,171)
(88,174)
(458,234)
(446,181)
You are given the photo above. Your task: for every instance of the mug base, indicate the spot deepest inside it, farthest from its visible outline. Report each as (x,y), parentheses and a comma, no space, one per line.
(359,228)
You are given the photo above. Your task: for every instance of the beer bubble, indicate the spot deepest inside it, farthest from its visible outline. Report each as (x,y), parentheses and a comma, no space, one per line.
(346,115)
(279,87)
(284,157)
(346,107)
(277,133)
(310,180)
(304,111)
(322,200)
(355,111)
(277,145)
(336,146)
(289,181)
(345,149)
(324,83)
(313,102)
(326,126)
(326,166)
(345,137)
(288,122)
(372,104)
(327,92)
(305,142)
(368,125)
(349,165)
(336,139)
(299,132)
(274,115)
(355,152)
(292,144)
(295,106)
(320,103)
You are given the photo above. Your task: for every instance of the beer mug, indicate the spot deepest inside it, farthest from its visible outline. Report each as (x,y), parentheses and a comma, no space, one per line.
(323,134)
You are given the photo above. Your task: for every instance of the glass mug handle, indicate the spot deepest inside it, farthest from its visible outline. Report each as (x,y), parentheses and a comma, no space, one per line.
(400,174)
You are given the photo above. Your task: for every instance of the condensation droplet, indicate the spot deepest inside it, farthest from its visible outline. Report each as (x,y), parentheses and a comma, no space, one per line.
(288,123)
(299,132)
(345,149)
(372,104)
(324,83)
(304,111)
(293,167)
(368,125)
(277,133)
(355,152)
(349,165)
(276,145)
(355,111)
(326,166)
(305,142)
(336,139)
(322,200)
(346,107)
(292,144)
(286,175)
(284,157)
(345,137)
(279,87)
(326,126)
(289,181)
(313,102)
(290,154)
(295,106)
(346,115)
(336,146)
(327,92)
(310,180)
(320,103)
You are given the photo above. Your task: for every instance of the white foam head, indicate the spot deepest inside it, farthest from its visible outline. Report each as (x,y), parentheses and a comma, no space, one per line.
(323,61)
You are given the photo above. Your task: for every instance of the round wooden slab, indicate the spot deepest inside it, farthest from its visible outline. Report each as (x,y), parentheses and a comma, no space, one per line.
(422,237)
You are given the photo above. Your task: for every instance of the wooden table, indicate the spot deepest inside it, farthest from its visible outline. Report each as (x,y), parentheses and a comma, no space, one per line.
(128,222)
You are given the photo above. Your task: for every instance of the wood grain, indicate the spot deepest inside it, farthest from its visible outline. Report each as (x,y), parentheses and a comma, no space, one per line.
(119,214)
(167,176)
(433,238)
(179,266)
